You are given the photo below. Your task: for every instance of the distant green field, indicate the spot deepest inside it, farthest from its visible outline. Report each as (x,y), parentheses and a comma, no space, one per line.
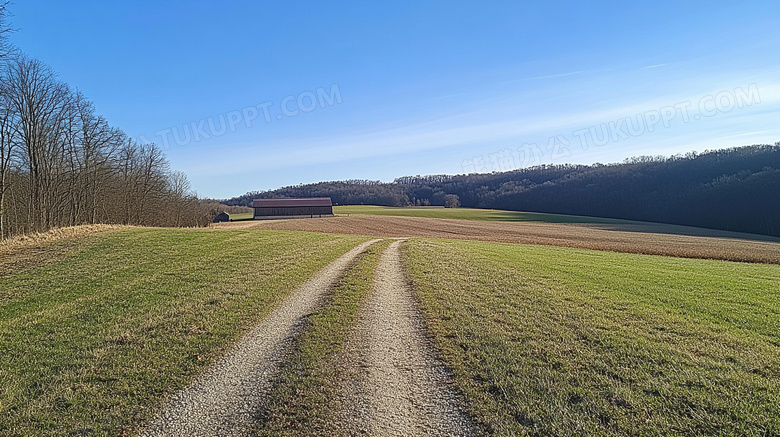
(91,344)
(557,341)
(241,216)
(469,214)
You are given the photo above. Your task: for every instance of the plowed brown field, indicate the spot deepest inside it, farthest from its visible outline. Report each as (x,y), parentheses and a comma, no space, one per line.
(644,238)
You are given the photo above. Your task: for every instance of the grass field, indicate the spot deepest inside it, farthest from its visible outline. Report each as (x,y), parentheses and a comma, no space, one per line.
(94,341)
(646,239)
(241,216)
(96,331)
(470,214)
(558,341)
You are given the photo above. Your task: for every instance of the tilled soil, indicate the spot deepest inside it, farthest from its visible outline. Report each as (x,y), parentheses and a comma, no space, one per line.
(225,400)
(644,238)
(392,384)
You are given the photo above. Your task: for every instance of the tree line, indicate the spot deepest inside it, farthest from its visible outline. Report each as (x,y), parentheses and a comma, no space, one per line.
(736,189)
(63,164)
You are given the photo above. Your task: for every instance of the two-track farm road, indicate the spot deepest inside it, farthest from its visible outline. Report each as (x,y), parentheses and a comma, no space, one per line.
(224,400)
(395,386)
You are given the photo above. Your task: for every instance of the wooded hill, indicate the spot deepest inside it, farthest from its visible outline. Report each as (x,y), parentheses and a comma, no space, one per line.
(736,189)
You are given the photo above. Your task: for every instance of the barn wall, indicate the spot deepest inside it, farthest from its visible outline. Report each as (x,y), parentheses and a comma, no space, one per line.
(298,210)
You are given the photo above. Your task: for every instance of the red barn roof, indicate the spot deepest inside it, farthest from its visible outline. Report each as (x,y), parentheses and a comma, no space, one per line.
(291,202)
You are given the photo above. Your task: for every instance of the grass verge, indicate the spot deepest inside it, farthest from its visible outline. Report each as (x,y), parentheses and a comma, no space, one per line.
(25,252)
(303,400)
(558,341)
(93,343)
(471,214)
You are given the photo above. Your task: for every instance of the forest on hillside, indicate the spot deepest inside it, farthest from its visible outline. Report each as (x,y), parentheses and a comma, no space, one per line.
(735,189)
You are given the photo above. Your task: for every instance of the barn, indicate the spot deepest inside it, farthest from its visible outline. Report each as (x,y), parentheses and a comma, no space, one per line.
(304,207)
(222,217)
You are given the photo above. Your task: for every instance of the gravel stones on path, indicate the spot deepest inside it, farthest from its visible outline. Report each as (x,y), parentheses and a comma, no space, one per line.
(393,384)
(224,400)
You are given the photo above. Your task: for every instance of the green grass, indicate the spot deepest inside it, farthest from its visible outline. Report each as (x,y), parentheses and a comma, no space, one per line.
(470,214)
(241,216)
(557,341)
(302,401)
(541,340)
(93,343)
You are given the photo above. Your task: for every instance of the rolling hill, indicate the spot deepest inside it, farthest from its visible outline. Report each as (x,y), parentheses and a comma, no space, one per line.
(732,189)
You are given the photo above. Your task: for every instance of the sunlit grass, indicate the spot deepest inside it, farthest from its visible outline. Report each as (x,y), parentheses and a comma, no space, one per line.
(556,341)
(93,343)
(241,216)
(469,214)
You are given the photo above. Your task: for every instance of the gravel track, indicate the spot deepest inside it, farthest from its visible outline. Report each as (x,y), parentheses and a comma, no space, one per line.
(224,400)
(393,384)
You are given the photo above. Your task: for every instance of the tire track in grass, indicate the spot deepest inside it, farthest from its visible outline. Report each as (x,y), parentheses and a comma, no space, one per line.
(225,399)
(394,384)
(301,402)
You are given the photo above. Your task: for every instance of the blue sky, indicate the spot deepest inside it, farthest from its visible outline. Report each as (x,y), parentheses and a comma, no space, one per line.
(376,90)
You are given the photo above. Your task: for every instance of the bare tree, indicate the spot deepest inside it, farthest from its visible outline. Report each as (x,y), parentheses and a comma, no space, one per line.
(451,201)
(40,102)
(152,182)
(8,143)
(63,164)
(95,144)
(7,125)
(6,49)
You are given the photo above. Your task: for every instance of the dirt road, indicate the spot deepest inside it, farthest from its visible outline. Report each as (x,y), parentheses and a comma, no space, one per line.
(223,401)
(394,385)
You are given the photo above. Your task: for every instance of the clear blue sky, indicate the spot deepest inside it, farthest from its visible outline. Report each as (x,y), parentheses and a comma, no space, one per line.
(413,87)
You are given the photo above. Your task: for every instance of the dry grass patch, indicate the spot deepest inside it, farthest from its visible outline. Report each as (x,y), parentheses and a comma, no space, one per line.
(24,252)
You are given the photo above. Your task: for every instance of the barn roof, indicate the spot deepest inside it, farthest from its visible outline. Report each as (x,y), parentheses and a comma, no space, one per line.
(291,202)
